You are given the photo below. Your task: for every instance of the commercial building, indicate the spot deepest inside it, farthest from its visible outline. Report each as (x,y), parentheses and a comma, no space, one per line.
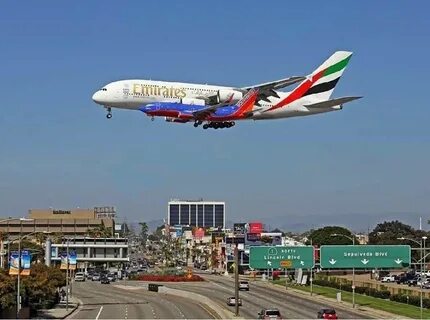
(91,252)
(196,213)
(67,222)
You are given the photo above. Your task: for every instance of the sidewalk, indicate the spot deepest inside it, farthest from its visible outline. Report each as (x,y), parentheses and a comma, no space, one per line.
(59,311)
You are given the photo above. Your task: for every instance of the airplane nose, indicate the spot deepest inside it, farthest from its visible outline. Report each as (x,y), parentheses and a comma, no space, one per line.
(96,97)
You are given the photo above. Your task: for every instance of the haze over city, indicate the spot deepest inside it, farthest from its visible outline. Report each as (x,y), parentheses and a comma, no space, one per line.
(356,167)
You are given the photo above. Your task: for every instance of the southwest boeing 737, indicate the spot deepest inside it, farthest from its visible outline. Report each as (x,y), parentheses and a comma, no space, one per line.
(219,106)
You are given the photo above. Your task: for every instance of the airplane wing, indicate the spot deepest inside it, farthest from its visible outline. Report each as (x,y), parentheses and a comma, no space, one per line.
(332,103)
(267,89)
(205,112)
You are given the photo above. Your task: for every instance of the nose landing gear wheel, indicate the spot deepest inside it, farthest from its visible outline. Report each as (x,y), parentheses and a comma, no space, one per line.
(109,115)
(109,110)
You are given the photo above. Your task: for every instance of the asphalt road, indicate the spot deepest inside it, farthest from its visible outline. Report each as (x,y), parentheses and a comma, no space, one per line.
(219,288)
(105,301)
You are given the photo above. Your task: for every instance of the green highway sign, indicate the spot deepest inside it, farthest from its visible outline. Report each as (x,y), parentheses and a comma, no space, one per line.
(267,257)
(365,256)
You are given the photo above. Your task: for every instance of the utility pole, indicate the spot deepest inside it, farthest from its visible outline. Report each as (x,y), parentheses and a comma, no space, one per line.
(67,276)
(18,291)
(236,278)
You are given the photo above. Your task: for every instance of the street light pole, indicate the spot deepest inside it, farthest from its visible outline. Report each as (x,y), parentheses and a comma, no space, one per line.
(353,269)
(18,293)
(67,276)
(420,243)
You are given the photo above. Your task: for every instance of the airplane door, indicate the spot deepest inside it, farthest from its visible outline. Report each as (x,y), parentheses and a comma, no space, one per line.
(125,91)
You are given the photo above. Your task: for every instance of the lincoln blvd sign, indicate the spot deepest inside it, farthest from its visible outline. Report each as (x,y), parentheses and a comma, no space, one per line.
(267,257)
(365,256)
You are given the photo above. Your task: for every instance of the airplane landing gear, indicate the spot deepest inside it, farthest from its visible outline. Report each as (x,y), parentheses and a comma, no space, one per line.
(152,118)
(109,110)
(197,123)
(217,125)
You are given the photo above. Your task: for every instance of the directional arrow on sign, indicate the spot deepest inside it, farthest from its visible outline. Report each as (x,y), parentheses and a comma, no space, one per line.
(332,261)
(269,263)
(398,261)
(365,261)
(302,263)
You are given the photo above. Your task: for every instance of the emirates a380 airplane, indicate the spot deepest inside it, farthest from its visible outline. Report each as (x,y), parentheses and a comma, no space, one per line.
(219,106)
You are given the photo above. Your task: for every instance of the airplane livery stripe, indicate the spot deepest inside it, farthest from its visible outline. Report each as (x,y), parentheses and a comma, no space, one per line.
(336,67)
(322,87)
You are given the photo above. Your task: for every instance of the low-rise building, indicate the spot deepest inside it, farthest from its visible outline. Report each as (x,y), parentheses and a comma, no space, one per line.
(92,252)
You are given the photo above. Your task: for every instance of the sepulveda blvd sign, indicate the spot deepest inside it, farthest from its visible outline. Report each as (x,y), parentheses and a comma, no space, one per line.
(365,256)
(267,257)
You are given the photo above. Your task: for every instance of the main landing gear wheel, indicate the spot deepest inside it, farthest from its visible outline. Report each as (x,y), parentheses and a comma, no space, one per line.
(196,124)
(205,126)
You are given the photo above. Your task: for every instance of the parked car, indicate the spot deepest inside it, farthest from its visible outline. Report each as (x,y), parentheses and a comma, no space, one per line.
(273,313)
(244,285)
(111,276)
(231,301)
(327,313)
(80,276)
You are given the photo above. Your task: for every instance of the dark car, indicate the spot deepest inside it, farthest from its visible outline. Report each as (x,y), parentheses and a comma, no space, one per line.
(327,313)
(104,280)
(405,277)
(269,314)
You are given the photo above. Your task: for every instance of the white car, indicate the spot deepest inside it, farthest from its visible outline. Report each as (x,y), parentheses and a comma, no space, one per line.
(388,279)
(80,276)
(231,301)
(244,285)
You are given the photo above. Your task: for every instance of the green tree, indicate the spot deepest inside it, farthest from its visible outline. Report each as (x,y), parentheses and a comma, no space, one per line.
(143,232)
(100,231)
(388,232)
(324,236)
(7,290)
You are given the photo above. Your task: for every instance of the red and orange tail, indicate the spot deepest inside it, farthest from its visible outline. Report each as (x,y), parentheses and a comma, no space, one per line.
(246,104)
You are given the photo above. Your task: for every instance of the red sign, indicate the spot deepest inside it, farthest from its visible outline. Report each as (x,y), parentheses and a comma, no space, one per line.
(200,233)
(255,227)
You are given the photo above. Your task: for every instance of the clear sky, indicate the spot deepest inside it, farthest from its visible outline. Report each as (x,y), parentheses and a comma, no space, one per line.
(58,149)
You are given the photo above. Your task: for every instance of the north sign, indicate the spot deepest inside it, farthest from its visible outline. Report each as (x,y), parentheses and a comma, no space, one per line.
(294,257)
(365,256)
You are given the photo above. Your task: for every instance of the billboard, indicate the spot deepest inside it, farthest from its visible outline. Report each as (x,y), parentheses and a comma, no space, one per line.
(255,227)
(199,233)
(239,228)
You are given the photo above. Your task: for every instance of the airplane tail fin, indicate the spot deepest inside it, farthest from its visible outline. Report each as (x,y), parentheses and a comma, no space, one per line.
(246,104)
(325,78)
(320,84)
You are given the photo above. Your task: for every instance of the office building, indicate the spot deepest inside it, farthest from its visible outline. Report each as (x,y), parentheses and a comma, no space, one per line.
(196,213)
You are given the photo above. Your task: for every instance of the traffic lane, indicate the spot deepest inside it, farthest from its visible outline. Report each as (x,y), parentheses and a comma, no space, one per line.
(311,307)
(147,305)
(219,296)
(137,303)
(252,301)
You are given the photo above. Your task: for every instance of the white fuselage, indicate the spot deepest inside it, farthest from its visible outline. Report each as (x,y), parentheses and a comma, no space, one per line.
(132,94)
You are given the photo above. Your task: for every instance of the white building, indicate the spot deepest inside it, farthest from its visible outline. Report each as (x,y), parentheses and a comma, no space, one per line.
(93,251)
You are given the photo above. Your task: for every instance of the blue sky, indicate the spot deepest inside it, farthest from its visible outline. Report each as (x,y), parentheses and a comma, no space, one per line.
(58,149)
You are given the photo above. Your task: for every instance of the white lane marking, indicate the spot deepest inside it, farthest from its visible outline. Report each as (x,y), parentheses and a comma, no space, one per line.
(98,314)
(126,311)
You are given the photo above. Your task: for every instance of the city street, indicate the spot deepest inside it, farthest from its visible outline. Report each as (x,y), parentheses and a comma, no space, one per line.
(114,301)
(260,296)
(106,301)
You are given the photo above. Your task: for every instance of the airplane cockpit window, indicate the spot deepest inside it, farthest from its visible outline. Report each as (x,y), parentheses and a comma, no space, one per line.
(103,89)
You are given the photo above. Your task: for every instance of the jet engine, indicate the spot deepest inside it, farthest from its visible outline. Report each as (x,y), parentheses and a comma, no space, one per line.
(171,119)
(225,95)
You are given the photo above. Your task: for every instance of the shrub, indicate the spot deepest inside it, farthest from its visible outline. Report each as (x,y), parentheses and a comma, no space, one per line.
(169,278)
